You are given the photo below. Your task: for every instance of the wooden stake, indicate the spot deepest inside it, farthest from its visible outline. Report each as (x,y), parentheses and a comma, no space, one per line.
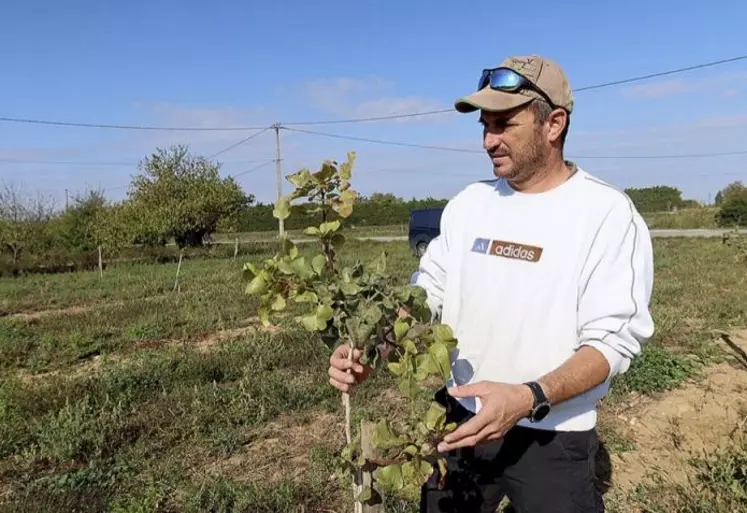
(236,249)
(178,270)
(101,265)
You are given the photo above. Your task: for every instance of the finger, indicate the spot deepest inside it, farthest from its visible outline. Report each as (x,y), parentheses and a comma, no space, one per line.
(345,365)
(342,387)
(341,376)
(470,428)
(469,441)
(473,390)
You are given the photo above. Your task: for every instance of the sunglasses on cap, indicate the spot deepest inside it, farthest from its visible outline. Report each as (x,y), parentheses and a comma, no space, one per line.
(509,81)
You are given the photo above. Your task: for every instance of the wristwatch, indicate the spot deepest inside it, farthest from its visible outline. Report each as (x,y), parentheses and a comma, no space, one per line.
(541,406)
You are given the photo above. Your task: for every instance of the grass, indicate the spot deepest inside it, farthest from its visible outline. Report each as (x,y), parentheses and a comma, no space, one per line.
(120,405)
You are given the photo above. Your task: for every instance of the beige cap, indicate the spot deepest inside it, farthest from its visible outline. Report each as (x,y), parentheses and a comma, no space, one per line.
(543,72)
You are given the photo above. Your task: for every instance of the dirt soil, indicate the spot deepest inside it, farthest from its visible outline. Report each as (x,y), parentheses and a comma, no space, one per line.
(691,421)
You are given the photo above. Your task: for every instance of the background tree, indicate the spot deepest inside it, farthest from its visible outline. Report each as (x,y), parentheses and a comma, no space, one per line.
(75,227)
(23,219)
(661,198)
(732,205)
(182,197)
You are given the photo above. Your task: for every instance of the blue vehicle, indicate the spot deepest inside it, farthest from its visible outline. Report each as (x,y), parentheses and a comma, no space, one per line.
(425,225)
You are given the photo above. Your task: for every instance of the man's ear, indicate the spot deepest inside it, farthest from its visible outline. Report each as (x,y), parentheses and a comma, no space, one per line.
(557,122)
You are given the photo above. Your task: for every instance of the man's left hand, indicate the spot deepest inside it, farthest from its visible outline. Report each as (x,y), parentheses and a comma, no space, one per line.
(503,405)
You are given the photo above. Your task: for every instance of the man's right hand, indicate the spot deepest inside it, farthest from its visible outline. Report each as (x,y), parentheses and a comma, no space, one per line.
(339,365)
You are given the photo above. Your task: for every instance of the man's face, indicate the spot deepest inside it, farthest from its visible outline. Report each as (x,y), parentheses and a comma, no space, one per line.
(514,142)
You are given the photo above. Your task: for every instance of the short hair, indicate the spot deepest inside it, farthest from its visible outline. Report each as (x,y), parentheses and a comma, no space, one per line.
(542,110)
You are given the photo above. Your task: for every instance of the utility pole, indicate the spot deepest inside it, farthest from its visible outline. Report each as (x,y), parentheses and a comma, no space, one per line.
(66,199)
(279,171)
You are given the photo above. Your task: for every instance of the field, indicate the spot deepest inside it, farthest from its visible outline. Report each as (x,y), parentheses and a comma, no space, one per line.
(123,395)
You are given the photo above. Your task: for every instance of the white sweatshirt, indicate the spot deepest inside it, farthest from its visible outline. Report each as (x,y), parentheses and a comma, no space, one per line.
(525,279)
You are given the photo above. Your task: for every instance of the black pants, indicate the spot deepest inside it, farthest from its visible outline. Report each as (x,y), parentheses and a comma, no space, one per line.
(539,471)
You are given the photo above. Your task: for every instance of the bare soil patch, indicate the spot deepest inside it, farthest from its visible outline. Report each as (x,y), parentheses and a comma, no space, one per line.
(282,449)
(691,421)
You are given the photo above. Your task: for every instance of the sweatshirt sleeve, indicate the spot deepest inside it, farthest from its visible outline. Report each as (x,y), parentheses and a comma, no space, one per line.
(431,272)
(615,289)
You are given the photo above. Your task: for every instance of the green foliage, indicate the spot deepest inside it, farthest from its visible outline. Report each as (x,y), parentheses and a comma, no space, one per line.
(359,305)
(732,205)
(655,199)
(181,196)
(655,370)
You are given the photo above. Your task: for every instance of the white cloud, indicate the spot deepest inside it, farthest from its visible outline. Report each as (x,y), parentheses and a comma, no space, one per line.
(366,97)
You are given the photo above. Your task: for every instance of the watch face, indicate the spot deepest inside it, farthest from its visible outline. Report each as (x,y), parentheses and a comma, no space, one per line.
(540,412)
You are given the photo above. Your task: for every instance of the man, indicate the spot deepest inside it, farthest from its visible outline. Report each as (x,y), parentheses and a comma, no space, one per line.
(545,276)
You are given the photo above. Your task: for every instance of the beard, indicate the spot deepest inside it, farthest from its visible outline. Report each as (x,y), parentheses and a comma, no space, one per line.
(524,163)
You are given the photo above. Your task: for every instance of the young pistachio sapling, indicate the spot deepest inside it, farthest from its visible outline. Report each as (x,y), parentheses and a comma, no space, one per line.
(360,305)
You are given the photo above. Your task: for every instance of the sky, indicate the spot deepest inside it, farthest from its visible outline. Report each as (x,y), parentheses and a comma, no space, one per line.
(231,63)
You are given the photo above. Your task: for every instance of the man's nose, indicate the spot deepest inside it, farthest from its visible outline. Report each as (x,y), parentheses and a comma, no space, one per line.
(490,140)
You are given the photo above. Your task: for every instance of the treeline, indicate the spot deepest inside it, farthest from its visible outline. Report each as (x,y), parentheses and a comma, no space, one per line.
(177,201)
(379,209)
(731,202)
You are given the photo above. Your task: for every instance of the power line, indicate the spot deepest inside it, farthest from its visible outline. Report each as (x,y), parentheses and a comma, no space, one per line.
(662,73)
(381,141)
(465,150)
(244,140)
(103,164)
(129,127)
(255,168)
(355,120)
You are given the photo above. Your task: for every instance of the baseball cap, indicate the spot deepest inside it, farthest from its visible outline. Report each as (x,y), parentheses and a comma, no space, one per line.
(542,72)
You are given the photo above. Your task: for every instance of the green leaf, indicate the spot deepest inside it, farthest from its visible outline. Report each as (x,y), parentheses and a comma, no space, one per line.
(264,316)
(371,315)
(257,286)
(311,323)
(383,437)
(401,327)
(325,173)
(410,347)
(329,227)
(302,268)
(440,356)
(286,268)
(346,169)
(306,297)
(300,179)
(279,303)
(324,313)
(412,450)
(282,208)
(443,333)
(416,471)
(319,263)
(350,289)
(312,231)
(390,477)
(293,251)
(435,417)
(396,368)
(249,271)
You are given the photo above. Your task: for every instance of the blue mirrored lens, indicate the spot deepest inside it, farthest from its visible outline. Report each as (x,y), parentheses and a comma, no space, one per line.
(505,79)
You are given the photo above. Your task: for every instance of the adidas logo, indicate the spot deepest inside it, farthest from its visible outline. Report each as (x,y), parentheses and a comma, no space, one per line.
(506,249)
